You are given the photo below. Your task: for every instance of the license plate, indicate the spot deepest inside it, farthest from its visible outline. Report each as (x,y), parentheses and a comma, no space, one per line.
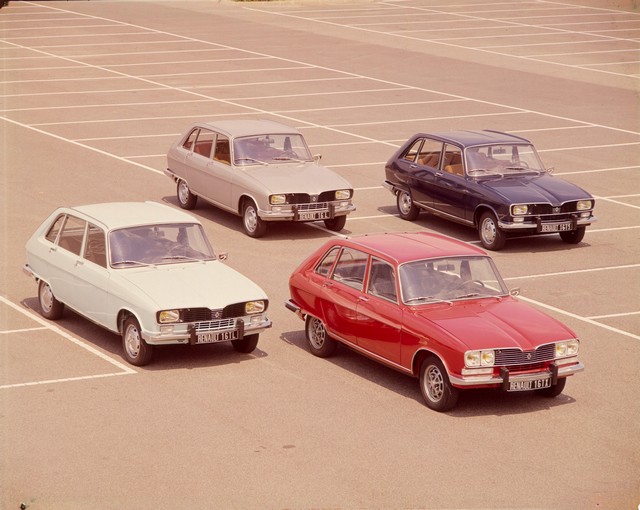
(211,337)
(319,215)
(535,384)
(557,227)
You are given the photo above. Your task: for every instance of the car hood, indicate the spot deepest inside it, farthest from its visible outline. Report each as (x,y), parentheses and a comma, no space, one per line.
(297,178)
(536,189)
(496,323)
(196,284)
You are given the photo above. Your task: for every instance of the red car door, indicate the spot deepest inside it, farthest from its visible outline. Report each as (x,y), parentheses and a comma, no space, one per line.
(379,318)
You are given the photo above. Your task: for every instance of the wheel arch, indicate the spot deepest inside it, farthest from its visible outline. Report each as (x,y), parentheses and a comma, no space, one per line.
(422,354)
(480,210)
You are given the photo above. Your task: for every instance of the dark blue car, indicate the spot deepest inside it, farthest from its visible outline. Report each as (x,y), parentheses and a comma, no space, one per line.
(490,180)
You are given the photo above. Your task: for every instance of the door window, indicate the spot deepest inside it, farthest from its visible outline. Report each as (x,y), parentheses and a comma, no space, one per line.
(72,234)
(350,268)
(204,143)
(222,152)
(431,153)
(95,247)
(382,281)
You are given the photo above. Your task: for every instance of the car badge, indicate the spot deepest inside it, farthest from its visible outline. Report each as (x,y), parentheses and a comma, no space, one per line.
(529,356)
(556,209)
(314,198)
(216,314)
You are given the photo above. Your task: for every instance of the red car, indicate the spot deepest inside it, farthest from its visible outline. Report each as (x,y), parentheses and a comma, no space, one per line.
(434,308)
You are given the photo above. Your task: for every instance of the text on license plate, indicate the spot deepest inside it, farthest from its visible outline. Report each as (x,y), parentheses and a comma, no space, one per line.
(211,337)
(316,215)
(557,227)
(535,384)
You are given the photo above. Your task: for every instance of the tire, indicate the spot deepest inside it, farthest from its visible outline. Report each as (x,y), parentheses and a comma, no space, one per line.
(573,236)
(406,208)
(491,237)
(136,351)
(186,199)
(436,389)
(319,341)
(336,224)
(50,307)
(553,391)
(253,225)
(246,345)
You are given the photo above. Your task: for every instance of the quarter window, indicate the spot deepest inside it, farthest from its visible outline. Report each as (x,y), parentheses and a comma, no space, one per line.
(324,268)
(52,235)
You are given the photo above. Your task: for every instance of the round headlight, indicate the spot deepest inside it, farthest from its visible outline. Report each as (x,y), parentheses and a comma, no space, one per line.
(488,358)
(472,359)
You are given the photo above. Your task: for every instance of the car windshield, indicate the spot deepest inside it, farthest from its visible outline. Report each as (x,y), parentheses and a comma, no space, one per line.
(502,159)
(269,149)
(159,244)
(450,279)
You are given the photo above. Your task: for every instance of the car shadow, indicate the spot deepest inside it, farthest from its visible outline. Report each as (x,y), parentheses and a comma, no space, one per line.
(472,402)
(546,243)
(276,230)
(166,357)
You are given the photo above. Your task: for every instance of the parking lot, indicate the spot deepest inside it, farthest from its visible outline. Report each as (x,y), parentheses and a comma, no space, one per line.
(92,94)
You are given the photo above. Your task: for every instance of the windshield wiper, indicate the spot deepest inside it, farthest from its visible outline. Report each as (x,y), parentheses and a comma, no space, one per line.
(426,298)
(252,159)
(469,295)
(135,262)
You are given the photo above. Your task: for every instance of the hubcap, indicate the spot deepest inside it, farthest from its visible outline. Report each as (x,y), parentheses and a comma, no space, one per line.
(434,383)
(46,298)
(250,219)
(405,202)
(132,342)
(489,231)
(316,334)
(183,192)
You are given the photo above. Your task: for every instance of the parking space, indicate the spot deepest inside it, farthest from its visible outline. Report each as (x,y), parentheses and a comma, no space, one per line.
(92,94)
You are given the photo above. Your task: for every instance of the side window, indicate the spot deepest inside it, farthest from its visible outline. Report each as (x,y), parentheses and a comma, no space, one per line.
(190,141)
(350,268)
(222,152)
(431,153)
(413,151)
(52,234)
(327,262)
(95,247)
(382,280)
(72,234)
(204,143)
(453,160)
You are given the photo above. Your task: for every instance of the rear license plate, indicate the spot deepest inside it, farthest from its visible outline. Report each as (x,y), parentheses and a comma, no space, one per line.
(535,384)
(211,337)
(556,227)
(318,215)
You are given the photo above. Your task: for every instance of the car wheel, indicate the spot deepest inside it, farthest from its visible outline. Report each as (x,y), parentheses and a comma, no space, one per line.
(573,236)
(406,208)
(336,224)
(50,307)
(136,350)
(491,237)
(186,199)
(246,345)
(320,343)
(436,389)
(553,391)
(253,225)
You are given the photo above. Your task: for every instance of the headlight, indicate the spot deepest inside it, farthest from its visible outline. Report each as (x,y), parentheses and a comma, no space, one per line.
(252,307)
(479,358)
(567,349)
(519,209)
(277,199)
(168,316)
(583,205)
(343,194)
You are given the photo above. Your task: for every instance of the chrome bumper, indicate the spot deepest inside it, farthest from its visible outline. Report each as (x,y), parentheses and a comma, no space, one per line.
(511,225)
(293,213)
(184,337)
(483,380)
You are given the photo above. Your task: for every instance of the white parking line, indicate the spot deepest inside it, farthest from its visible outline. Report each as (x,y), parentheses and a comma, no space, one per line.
(125,369)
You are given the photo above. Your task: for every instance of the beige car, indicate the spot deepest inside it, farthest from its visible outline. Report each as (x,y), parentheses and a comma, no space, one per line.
(260,170)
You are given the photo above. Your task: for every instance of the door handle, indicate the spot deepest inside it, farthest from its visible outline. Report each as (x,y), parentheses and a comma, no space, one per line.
(363,298)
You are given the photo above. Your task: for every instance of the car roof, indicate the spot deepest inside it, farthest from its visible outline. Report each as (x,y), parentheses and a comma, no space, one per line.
(408,246)
(114,215)
(235,128)
(470,138)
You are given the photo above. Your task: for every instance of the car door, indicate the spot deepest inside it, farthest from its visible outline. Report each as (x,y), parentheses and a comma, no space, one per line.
(211,171)
(341,293)
(423,171)
(379,317)
(449,187)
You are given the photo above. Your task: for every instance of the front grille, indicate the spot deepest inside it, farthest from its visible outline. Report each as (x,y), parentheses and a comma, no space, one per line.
(519,358)
(206,314)
(215,325)
(317,206)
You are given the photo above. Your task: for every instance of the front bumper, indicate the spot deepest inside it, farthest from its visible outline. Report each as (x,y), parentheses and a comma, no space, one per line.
(555,372)
(539,224)
(183,335)
(308,212)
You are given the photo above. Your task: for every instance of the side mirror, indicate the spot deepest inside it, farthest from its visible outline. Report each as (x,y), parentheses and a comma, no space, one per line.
(317,157)
(222,256)
(515,292)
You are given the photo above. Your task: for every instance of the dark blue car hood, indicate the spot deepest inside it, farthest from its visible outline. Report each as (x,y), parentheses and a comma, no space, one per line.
(535,189)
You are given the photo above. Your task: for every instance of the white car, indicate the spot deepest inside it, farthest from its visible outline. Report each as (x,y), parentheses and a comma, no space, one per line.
(146,271)
(260,170)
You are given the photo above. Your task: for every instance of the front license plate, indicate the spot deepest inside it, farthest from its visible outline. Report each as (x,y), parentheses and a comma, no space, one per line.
(320,215)
(535,384)
(556,227)
(211,337)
